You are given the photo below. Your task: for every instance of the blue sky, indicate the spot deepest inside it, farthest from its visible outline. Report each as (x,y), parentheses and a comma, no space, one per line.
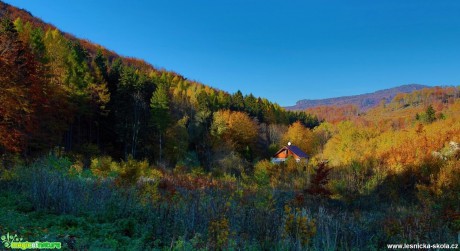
(282,50)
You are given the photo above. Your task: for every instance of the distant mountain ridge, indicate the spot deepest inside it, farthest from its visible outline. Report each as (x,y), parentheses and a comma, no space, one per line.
(362,101)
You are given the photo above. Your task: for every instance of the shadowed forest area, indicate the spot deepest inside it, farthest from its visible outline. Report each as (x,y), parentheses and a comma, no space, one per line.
(103,152)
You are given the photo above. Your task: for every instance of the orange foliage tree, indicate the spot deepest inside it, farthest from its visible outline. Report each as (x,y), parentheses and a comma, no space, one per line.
(235,128)
(29,114)
(300,136)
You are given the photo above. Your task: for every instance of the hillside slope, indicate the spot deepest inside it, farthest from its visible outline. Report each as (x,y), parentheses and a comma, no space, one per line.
(90,47)
(116,105)
(363,101)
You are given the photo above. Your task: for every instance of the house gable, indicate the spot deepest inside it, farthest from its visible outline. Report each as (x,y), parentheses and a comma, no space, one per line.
(289,151)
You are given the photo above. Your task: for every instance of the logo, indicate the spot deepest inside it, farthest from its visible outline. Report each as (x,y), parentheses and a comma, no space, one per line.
(7,239)
(15,242)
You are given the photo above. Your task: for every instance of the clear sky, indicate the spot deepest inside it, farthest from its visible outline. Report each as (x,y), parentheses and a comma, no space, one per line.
(282,50)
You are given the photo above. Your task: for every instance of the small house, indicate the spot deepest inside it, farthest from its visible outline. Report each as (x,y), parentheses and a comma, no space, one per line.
(289,151)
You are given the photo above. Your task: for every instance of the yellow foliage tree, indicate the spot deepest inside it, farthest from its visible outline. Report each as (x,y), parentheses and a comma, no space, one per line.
(299,136)
(236,128)
(350,143)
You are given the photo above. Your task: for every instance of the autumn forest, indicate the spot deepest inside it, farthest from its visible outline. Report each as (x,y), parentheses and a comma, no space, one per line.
(104,152)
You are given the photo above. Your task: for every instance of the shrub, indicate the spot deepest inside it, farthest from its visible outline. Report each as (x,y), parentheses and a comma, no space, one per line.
(130,171)
(261,173)
(218,233)
(297,227)
(104,167)
(50,186)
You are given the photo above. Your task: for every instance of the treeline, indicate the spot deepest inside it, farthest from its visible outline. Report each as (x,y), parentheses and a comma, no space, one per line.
(402,105)
(56,93)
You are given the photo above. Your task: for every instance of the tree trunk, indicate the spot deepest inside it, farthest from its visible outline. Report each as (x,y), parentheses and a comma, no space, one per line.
(161,148)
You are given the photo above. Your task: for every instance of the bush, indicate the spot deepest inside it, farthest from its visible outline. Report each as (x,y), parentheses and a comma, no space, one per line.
(50,186)
(104,167)
(230,164)
(130,171)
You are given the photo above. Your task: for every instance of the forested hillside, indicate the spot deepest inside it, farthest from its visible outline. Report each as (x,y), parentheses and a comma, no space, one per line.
(60,91)
(102,152)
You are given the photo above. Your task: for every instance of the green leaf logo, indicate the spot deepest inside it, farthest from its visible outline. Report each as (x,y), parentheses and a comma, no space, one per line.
(7,239)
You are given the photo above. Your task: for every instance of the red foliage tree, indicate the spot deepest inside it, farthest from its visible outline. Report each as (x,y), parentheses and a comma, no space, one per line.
(29,111)
(319,181)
